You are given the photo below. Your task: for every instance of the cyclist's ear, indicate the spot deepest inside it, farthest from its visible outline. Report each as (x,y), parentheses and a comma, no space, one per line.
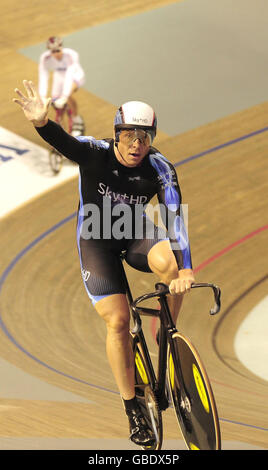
(116,137)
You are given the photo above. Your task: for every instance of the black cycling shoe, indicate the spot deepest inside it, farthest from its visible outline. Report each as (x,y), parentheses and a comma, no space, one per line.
(140,433)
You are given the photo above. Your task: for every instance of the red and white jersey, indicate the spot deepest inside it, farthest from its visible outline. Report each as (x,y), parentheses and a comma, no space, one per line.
(48,63)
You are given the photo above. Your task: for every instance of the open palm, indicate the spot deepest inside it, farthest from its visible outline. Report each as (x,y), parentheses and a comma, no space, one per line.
(34,107)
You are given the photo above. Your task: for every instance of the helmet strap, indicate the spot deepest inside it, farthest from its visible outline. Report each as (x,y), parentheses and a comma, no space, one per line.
(116,145)
(117,135)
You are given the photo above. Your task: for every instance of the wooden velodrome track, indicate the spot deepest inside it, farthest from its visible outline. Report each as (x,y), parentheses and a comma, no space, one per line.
(54,333)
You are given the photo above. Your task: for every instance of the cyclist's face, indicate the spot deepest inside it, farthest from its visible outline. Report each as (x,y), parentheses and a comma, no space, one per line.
(133,146)
(57,54)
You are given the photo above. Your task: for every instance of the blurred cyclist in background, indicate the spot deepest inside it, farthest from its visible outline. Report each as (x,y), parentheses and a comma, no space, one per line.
(68,76)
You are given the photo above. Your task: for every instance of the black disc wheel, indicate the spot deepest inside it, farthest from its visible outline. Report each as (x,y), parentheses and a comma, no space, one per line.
(194,403)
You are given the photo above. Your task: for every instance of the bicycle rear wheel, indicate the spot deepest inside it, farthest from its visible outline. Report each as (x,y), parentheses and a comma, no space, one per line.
(196,408)
(55,160)
(147,400)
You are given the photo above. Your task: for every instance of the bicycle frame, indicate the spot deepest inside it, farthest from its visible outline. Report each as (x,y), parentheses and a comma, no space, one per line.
(167,329)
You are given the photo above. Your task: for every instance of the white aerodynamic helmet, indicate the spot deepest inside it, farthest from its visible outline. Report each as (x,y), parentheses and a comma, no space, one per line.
(136,115)
(54,43)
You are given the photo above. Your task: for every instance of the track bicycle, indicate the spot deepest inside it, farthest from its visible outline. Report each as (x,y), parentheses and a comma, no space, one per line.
(63,116)
(178,365)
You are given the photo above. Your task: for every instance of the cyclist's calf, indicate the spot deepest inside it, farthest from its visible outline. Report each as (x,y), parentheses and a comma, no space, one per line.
(115,312)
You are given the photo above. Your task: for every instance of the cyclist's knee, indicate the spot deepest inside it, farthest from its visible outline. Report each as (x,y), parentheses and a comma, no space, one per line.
(163,263)
(170,272)
(115,312)
(118,326)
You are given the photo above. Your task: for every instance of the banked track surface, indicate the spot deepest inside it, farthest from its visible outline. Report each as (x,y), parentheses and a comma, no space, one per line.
(50,331)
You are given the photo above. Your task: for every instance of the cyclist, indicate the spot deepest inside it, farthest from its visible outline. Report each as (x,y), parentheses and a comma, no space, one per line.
(122,175)
(68,76)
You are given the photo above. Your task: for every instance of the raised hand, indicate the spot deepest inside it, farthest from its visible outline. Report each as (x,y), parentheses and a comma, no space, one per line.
(34,107)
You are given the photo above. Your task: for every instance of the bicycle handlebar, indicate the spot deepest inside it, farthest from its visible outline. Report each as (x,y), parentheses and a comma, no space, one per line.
(162,290)
(217,296)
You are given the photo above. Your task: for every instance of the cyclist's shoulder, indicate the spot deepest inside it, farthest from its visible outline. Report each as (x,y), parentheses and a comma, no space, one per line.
(70,52)
(95,144)
(45,56)
(158,160)
(165,171)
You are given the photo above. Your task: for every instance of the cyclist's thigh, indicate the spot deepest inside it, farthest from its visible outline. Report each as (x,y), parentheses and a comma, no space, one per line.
(101,268)
(78,75)
(138,249)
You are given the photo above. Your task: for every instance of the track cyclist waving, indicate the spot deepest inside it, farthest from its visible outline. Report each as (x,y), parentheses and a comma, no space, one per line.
(121,175)
(67,77)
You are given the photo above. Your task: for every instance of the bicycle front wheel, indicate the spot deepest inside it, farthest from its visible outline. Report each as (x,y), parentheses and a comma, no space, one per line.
(55,160)
(194,403)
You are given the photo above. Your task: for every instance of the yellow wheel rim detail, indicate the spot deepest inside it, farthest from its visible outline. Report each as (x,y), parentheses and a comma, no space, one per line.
(200,388)
(193,447)
(141,369)
(171,370)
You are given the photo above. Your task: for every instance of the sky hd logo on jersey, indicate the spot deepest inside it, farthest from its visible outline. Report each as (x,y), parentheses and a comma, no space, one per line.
(118,198)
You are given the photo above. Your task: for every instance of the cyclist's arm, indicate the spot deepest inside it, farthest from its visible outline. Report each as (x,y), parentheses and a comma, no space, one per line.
(169,197)
(43,76)
(73,70)
(173,219)
(73,55)
(67,145)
